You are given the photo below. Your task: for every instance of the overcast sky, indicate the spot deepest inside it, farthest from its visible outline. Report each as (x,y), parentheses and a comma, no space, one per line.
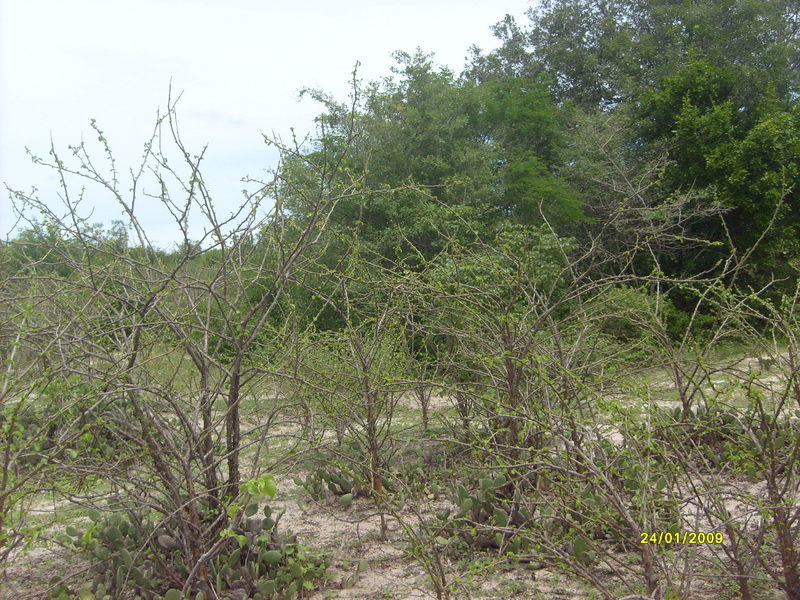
(240,65)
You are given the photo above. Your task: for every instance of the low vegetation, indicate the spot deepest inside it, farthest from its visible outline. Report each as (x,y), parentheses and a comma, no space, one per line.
(529,332)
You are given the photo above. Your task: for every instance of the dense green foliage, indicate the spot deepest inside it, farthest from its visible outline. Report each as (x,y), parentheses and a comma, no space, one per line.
(710,86)
(698,122)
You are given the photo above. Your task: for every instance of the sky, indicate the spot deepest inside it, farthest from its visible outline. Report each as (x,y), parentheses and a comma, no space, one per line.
(238,64)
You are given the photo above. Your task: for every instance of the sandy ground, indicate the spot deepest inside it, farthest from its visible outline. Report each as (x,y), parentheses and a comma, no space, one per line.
(348,535)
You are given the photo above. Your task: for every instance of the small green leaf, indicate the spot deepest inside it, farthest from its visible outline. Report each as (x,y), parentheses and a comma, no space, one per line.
(462,492)
(500,517)
(267,587)
(172,594)
(270,487)
(125,557)
(580,547)
(296,570)
(272,557)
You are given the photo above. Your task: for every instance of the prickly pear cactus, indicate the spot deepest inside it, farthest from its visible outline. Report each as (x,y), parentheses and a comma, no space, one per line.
(323,481)
(256,560)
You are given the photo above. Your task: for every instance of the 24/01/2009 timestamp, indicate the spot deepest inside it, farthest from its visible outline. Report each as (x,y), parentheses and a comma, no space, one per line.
(681,537)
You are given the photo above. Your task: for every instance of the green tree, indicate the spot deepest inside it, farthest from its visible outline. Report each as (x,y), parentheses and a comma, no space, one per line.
(740,150)
(598,54)
(709,92)
(527,137)
(447,158)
